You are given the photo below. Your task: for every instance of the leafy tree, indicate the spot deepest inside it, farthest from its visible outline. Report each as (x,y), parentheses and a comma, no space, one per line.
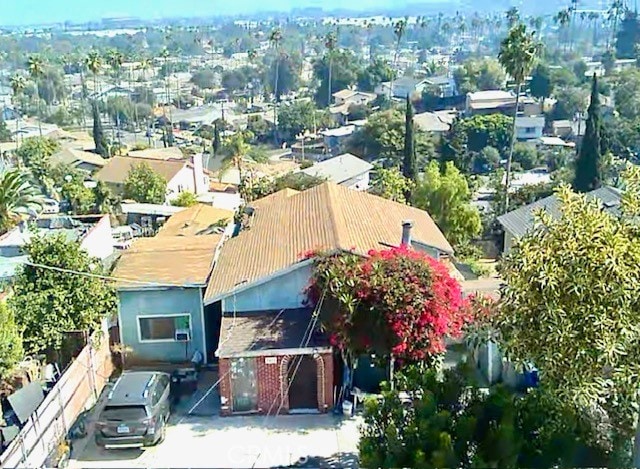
(409,169)
(358,112)
(375,73)
(144,185)
(570,101)
(447,198)
(98,134)
(518,54)
(185,199)
(627,94)
(449,422)
(390,184)
(81,198)
(562,77)
(11,351)
(204,78)
(35,153)
(344,73)
(525,155)
(541,85)
(570,306)
(297,181)
(486,130)
(5,133)
(288,67)
(373,306)
(383,136)
(530,193)
(490,157)
(49,303)
(297,117)
(479,75)
(628,36)
(588,164)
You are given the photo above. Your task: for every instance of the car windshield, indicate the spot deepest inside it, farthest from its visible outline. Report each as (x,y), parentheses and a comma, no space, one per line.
(123,413)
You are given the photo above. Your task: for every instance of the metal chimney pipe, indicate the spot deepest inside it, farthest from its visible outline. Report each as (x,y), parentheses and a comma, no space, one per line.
(406,232)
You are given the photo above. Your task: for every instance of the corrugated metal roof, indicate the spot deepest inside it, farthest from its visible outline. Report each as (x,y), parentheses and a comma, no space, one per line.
(326,217)
(520,221)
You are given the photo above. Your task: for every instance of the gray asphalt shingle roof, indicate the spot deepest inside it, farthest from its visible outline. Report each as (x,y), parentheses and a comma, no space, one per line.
(340,168)
(267,330)
(520,221)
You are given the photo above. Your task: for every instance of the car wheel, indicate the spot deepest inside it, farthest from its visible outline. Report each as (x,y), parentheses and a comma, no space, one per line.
(163,434)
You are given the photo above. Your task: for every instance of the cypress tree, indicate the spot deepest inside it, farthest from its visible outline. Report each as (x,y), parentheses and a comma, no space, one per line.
(588,164)
(98,134)
(216,138)
(409,163)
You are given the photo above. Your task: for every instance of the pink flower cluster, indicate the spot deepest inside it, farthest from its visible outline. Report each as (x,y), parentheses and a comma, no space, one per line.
(407,302)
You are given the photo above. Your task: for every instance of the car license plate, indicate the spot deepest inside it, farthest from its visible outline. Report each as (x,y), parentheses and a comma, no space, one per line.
(123,429)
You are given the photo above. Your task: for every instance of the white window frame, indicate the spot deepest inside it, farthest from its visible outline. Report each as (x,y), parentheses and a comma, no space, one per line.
(160,316)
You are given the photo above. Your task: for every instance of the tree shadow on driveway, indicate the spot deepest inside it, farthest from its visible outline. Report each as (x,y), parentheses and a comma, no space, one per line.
(335,461)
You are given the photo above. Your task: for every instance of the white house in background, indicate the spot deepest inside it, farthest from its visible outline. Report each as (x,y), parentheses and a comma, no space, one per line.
(408,86)
(181,175)
(335,138)
(346,170)
(93,232)
(438,122)
(402,87)
(445,85)
(350,97)
(529,128)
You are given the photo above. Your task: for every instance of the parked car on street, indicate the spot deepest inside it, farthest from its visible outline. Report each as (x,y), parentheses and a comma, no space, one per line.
(136,412)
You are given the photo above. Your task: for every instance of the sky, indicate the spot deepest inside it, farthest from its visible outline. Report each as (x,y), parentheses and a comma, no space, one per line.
(23,12)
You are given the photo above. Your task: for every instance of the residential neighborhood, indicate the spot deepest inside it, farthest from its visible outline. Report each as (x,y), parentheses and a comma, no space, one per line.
(371,235)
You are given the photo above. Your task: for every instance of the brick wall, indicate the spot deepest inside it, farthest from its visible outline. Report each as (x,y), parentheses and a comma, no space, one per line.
(272,381)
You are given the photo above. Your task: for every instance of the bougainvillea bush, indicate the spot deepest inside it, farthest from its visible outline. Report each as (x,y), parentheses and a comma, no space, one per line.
(396,302)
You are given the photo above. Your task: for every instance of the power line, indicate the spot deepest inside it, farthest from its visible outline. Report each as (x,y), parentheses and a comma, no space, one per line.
(229,370)
(309,331)
(109,278)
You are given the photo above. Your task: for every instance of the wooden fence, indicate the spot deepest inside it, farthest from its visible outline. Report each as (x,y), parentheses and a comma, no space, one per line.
(78,388)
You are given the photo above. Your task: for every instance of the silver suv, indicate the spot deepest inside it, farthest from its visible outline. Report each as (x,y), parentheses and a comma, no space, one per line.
(137,411)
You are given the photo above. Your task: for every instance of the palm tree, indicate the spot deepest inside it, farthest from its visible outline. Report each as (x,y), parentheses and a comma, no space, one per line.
(330,41)
(19,198)
(93,62)
(115,59)
(275,38)
(618,7)
(18,84)
(513,17)
(35,65)
(399,29)
(594,17)
(563,18)
(518,54)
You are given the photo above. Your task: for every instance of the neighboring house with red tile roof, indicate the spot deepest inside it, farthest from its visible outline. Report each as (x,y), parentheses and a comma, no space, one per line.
(259,280)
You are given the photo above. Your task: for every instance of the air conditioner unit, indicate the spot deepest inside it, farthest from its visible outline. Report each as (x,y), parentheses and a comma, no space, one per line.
(182,335)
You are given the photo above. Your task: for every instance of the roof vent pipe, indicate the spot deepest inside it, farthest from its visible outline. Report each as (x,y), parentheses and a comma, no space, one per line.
(406,233)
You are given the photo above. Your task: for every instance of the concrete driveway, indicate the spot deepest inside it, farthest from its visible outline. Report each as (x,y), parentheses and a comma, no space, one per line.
(255,441)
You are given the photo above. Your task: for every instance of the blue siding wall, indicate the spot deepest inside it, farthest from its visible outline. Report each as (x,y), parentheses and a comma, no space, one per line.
(160,303)
(285,291)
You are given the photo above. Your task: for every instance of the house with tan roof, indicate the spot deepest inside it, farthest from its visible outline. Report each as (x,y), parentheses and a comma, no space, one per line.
(259,279)
(182,175)
(77,158)
(160,286)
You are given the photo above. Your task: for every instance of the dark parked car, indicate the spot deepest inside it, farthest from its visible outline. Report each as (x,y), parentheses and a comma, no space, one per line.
(137,411)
